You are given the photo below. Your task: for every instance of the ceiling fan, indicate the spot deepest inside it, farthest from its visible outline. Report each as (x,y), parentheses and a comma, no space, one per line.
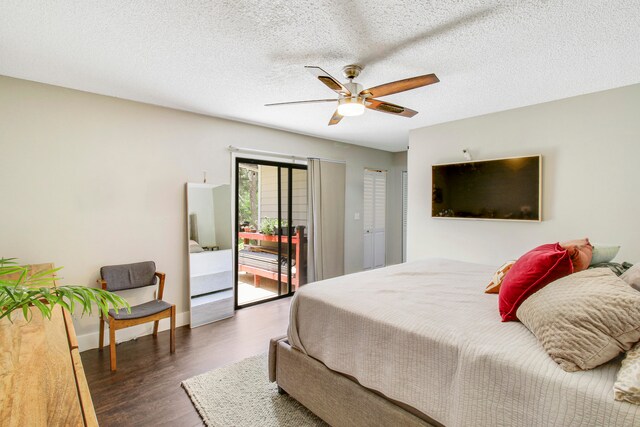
(353,99)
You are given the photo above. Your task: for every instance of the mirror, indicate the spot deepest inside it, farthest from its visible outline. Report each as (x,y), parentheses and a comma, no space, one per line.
(210,256)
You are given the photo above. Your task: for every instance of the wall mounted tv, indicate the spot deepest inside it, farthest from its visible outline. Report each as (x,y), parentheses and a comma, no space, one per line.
(500,189)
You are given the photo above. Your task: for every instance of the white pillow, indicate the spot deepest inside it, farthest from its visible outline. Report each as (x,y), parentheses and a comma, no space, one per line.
(632,276)
(627,385)
(194,247)
(603,253)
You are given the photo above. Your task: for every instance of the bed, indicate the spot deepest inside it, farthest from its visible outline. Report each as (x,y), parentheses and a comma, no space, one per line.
(421,344)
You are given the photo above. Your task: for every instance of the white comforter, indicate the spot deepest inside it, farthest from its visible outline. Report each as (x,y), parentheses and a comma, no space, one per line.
(425,334)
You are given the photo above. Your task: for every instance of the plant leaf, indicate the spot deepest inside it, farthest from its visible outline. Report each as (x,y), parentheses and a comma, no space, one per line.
(44,309)
(34,290)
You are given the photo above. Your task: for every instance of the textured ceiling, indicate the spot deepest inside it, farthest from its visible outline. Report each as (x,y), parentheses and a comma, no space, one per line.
(228,58)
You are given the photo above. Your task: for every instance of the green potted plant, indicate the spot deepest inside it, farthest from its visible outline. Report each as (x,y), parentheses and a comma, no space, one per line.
(268,225)
(284,227)
(19,290)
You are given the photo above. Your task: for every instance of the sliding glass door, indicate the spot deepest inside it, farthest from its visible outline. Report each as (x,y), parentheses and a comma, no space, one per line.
(270,226)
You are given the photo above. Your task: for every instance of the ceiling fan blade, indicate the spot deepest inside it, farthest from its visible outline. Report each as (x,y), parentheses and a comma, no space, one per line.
(386,107)
(335,119)
(328,80)
(400,85)
(311,101)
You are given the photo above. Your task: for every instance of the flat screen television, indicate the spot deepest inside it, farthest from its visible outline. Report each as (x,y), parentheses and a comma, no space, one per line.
(499,189)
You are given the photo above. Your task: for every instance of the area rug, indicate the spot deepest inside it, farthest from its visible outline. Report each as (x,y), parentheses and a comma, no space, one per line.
(241,395)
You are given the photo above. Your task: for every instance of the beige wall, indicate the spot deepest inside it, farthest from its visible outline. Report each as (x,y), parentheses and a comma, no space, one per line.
(591,148)
(91,180)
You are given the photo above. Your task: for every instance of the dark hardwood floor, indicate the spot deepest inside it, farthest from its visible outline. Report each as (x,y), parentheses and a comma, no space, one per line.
(146,391)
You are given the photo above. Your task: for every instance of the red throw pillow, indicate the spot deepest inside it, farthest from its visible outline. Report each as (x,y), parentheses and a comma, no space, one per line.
(533,271)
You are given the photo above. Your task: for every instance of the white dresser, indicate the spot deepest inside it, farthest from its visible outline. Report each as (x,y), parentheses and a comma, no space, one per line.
(211,282)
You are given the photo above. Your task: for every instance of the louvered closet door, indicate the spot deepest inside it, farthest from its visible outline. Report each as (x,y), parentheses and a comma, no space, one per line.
(375,193)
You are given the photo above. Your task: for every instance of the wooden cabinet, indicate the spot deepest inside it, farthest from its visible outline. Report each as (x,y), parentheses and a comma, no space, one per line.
(42,382)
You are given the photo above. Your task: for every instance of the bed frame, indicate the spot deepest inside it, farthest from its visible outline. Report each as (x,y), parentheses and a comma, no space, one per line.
(337,399)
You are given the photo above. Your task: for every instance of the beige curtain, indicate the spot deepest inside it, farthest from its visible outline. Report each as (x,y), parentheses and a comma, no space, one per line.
(325,195)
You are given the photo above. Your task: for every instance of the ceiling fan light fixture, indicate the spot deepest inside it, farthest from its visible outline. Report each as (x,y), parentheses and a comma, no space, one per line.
(352,99)
(351,106)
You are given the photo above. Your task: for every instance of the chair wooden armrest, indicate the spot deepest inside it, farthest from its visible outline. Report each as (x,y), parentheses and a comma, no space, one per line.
(160,277)
(116,321)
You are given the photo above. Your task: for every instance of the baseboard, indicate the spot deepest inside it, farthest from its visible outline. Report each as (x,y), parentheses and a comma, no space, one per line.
(90,340)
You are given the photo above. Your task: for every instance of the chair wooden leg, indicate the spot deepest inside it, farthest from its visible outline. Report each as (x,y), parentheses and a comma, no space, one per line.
(101,342)
(173,329)
(155,328)
(112,344)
